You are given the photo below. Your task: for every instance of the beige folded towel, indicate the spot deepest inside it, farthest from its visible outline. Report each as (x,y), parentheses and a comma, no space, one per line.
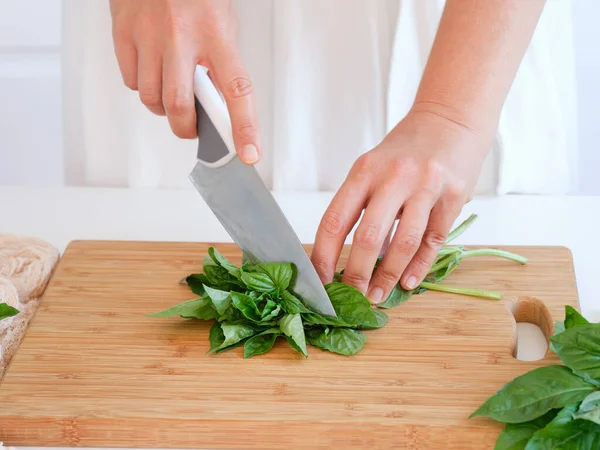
(26,265)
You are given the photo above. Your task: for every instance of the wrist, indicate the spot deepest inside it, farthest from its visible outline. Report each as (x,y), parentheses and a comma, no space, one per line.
(480,125)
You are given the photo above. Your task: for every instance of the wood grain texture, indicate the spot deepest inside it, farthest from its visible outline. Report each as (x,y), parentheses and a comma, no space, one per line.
(94,371)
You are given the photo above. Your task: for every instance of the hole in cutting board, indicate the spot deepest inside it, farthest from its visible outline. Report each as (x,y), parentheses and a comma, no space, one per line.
(534,328)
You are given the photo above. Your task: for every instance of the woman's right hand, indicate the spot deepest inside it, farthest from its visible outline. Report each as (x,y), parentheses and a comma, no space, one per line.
(158,44)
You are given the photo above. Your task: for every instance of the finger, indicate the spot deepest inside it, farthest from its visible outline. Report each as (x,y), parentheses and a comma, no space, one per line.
(369,236)
(338,220)
(441,219)
(150,79)
(403,247)
(178,91)
(235,84)
(127,59)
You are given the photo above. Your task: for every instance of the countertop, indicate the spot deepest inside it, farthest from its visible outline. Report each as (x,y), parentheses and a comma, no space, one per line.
(60,215)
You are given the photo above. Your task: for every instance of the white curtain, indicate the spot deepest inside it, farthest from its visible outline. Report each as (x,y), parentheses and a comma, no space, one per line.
(331,78)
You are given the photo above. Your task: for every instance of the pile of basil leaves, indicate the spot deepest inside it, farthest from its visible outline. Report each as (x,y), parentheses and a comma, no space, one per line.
(555,406)
(253,306)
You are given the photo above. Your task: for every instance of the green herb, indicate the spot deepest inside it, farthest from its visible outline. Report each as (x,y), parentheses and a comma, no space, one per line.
(7,311)
(247,301)
(254,304)
(557,406)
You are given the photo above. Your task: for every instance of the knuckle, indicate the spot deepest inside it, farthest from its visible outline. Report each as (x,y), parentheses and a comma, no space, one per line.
(176,103)
(130,81)
(244,130)
(150,96)
(367,237)
(455,192)
(388,275)
(407,244)
(355,278)
(364,165)
(434,239)
(420,264)
(240,86)
(332,223)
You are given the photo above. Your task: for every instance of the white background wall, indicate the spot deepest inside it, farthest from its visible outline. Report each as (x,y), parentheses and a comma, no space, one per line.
(30,92)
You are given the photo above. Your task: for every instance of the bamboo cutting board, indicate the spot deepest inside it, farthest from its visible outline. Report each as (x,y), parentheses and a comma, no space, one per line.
(93,371)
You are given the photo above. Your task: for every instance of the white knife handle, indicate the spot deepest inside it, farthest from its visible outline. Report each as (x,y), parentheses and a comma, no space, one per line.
(215,108)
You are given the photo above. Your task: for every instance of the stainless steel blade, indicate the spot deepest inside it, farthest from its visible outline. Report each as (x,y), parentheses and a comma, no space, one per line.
(253,219)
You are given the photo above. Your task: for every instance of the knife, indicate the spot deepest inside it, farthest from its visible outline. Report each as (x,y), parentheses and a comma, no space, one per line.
(242,203)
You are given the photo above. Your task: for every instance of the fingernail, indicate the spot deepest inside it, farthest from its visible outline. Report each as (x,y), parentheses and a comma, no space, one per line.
(375,295)
(411,283)
(249,153)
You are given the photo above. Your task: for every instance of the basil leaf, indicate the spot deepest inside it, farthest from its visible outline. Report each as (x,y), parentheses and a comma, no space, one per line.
(291,304)
(291,326)
(318,319)
(533,394)
(516,435)
(260,344)
(270,311)
(350,305)
(220,299)
(234,335)
(381,319)
(590,408)
(247,306)
(258,281)
(196,283)
(559,327)
(215,337)
(396,297)
(7,311)
(280,273)
(220,260)
(343,341)
(573,318)
(220,278)
(200,308)
(579,349)
(573,435)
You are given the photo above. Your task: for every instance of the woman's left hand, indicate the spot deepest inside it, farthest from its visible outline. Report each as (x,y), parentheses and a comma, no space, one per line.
(426,170)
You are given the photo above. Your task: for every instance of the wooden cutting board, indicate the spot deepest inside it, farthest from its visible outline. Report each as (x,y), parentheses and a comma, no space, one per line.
(94,371)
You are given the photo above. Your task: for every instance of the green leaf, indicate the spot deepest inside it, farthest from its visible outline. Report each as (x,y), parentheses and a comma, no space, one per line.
(579,349)
(280,273)
(572,435)
(234,335)
(590,408)
(220,260)
(200,308)
(258,281)
(247,306)
(291,326)
(350,305)
(381,320)
(261,343)
(573,318)
(533,394)
(215,337)
(344,341)
(220,299)
(270,311)
(396,297)
(559,327)
(196,282)
(516,435)
(7,311)
(291,304)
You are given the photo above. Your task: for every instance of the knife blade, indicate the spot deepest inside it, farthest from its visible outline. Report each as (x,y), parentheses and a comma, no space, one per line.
(242,203)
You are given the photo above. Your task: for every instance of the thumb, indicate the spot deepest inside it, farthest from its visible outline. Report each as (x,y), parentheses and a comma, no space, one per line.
(234,82)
